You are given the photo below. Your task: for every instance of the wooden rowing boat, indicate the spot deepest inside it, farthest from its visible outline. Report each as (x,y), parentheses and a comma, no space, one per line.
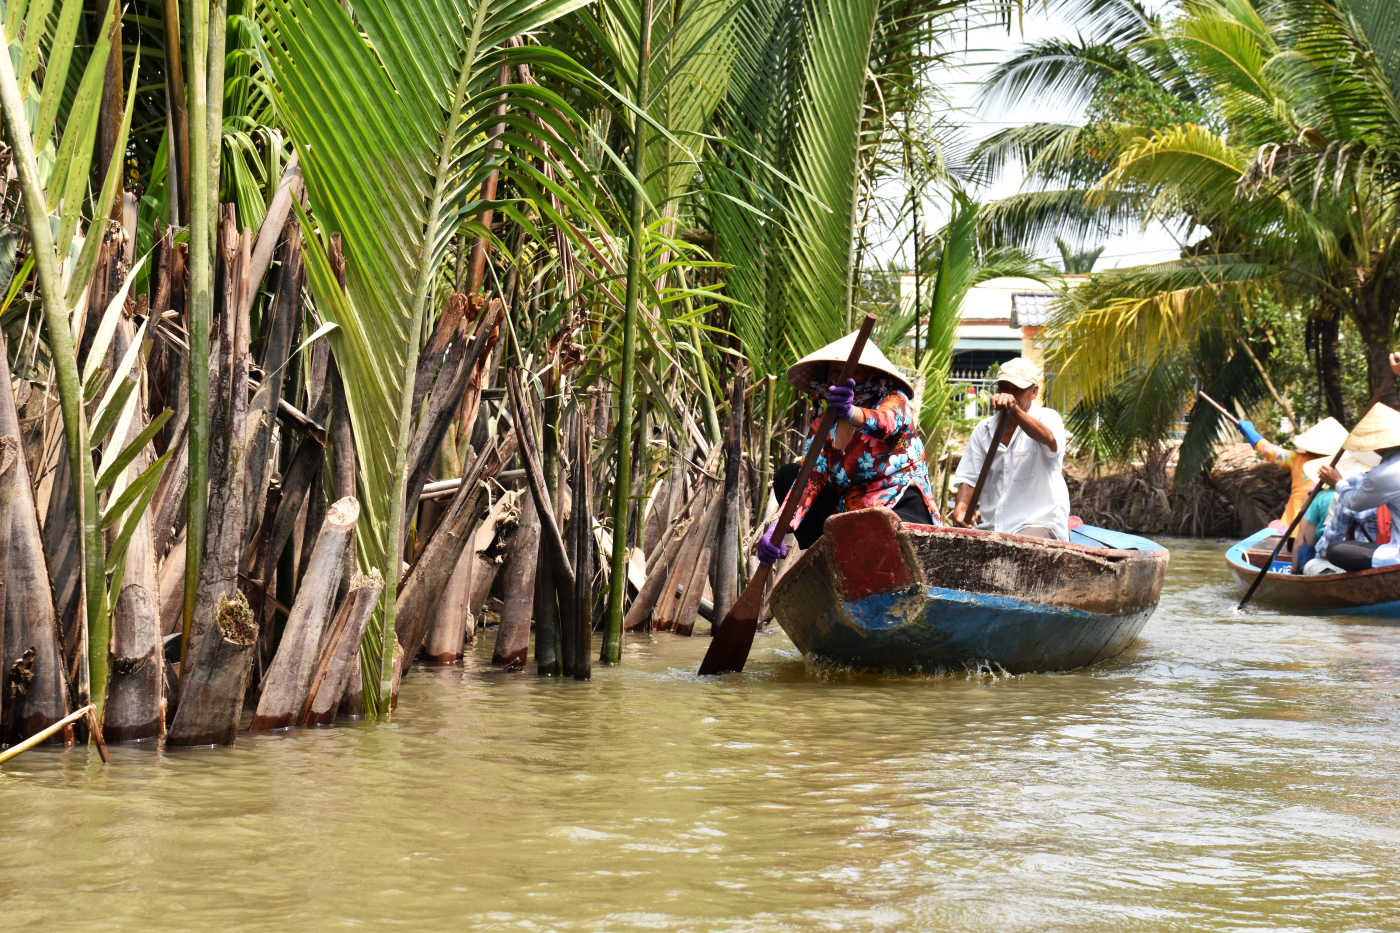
(1373,592)
(876,594)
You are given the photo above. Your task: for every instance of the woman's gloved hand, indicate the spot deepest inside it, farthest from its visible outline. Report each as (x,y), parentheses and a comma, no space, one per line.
(841,398)
(1251,435)
(770,552)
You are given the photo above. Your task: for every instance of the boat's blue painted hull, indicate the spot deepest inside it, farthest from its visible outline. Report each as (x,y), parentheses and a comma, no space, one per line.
(873,594)
(934,628)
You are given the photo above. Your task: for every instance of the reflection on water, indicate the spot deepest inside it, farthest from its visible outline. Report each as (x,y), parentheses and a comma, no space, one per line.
(1231,770)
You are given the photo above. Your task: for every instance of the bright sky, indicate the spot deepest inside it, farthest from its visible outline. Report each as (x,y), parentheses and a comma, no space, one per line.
(987,46)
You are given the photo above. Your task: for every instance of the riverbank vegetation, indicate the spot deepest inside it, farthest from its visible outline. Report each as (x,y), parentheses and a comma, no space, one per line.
(322,323)
(320,319)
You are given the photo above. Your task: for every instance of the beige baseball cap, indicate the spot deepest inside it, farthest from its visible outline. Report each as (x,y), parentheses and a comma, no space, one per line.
(1020,372)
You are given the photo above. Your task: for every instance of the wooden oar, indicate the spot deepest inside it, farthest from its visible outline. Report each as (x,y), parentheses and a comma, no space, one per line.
(986,470)
(1220,408)
(1312,494)
(729,649)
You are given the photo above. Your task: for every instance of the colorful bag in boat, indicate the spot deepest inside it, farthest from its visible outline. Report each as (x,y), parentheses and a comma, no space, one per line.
(1388,554)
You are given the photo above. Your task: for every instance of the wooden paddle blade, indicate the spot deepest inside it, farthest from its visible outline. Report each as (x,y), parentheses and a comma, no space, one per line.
(729,649)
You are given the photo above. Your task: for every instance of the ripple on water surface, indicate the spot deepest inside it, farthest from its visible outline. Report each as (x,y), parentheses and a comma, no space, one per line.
(1231,770)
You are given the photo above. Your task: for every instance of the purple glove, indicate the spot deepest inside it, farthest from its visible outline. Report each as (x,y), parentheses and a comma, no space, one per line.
(768,551)
(841,398)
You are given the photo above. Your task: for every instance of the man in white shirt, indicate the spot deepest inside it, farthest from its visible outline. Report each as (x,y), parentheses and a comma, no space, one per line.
(1025,492)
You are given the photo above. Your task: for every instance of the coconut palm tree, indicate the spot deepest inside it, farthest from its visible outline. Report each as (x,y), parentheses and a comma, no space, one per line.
(1077,262)
(1296,187)
(1235,119)
(1130,81)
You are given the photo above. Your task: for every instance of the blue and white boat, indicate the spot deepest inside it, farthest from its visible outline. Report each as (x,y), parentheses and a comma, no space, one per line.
(1374,592)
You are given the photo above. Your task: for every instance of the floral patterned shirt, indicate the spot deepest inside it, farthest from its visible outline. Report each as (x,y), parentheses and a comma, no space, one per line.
(1294,460)
(884,457)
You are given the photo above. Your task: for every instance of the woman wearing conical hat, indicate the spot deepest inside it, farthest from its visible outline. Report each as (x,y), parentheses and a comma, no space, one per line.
(872,456)
(1321,440)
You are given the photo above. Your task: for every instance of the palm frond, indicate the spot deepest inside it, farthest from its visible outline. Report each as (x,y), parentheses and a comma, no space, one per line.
(1376,20)
(816,260)
(1129,320)
(692,46)
(391,113)
(1034,218)
(1070,70)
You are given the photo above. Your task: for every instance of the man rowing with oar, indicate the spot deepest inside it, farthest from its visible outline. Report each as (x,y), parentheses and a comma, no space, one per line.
(872,456)
(1025,491)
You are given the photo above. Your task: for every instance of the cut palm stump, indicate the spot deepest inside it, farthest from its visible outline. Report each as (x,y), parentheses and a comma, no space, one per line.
(340,656)
(288,681)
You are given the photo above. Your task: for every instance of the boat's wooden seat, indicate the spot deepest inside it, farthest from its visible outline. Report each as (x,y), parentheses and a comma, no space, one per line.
(1259,554)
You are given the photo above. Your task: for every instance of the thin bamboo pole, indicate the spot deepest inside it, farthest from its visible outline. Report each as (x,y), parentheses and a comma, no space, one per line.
(65,361)
(175,93)
(622,491)
(760,502)
(201,311)
(10,456)
(40,736)
(214,94)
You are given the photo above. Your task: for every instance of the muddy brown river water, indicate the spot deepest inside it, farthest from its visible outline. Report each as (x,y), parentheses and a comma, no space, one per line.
(1232,771)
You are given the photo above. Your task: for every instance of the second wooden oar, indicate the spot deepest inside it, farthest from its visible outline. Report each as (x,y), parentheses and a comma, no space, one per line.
(729,649)
(1219,407)
(986,470)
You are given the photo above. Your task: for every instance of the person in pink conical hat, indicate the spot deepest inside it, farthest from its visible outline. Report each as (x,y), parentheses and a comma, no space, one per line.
(872,456)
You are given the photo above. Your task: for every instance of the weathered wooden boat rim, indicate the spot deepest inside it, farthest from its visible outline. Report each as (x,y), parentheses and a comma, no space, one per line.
(1096,552)
(1236,551)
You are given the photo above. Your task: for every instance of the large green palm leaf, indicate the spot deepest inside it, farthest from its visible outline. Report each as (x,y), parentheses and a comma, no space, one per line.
(692,45)
(390,112)
(816,259)
(748,190)
(1376,19)
(1130,320)
(53,158)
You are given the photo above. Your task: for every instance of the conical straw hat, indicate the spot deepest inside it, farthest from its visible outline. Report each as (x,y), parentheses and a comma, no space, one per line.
(1322,438)
(1379,429)
(812,367)
(1349,465)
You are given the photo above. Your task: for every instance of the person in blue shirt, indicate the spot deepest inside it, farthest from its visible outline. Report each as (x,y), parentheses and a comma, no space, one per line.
(1318,472)
(1359,498)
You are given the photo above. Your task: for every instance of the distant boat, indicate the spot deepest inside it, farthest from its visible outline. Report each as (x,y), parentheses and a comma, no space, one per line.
(1373,592)
(875,594)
